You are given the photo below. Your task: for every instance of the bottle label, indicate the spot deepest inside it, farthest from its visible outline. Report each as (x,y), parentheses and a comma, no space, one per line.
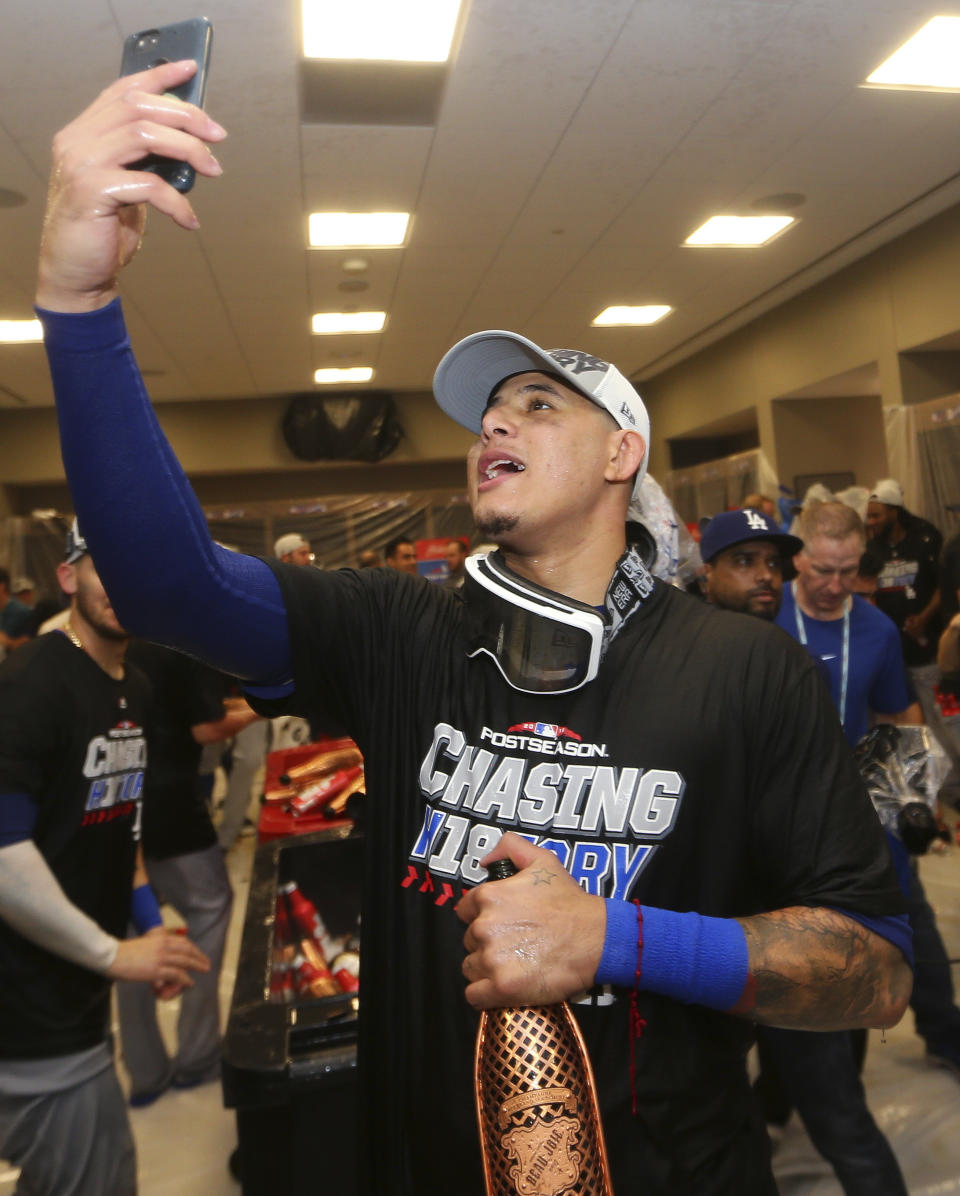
(544,1160)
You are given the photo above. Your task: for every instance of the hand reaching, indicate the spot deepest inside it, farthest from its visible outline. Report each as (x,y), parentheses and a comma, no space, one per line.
(163,957)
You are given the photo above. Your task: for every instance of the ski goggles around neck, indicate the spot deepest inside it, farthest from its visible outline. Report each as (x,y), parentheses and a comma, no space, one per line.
(542,642)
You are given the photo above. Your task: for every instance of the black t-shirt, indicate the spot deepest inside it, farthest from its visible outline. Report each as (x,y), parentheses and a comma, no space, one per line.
(176,820)
(907,582)
(72,738)
(704,769)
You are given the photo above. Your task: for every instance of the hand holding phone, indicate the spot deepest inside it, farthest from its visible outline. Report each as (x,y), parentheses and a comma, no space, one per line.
(171,43)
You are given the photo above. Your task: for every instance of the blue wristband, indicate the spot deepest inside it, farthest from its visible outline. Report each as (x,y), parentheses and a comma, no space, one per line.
(144,910)
(618,964)
(694,959)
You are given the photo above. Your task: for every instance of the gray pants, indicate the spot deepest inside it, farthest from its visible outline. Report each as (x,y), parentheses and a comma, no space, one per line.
(198,888)
(249,750)
(76,1142)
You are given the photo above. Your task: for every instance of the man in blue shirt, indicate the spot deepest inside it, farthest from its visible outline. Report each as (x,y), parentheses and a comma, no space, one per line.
(858,646)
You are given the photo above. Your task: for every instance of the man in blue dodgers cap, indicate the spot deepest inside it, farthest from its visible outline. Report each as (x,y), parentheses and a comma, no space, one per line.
(745,557)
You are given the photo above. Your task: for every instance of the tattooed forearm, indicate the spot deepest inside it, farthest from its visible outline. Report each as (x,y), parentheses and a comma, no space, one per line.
(814,969)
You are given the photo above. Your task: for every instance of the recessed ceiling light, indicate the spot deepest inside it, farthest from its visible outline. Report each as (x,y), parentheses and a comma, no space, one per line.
(325,322)
(414,31)
(739,231)
(358,373)
(633,317)
(17,332)
(930,60)
(357,230)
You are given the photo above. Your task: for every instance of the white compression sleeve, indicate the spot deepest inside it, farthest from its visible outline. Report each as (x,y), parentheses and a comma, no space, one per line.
(33,903)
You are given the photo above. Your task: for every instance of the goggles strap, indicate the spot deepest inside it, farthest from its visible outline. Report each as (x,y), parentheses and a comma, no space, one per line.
(631,585)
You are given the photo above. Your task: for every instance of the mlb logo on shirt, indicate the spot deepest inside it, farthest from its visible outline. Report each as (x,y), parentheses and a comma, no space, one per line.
(548,730)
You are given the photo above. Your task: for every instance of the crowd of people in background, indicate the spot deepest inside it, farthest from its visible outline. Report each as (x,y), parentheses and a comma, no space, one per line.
(866,597)
(872,594)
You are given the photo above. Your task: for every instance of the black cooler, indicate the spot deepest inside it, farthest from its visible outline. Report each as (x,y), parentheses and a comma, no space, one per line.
(289,1067)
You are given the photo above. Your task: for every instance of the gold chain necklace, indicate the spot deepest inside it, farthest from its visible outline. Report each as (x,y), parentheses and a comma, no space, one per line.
(73,637)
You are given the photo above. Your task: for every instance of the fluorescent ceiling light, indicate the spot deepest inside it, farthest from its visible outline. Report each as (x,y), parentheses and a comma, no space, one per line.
(930,60)
(325,322)
(16,332)
(357,373)
(413,31)
(632,316)
(357,230)
(739,230)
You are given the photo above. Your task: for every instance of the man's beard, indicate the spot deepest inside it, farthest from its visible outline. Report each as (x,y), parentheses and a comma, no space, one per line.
(106,630)
(495,526)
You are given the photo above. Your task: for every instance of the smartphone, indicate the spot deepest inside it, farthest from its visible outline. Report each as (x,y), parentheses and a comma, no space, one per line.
(170,43)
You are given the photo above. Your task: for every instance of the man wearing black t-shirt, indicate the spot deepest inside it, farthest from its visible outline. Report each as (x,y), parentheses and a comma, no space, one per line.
(185,865)
(72,762)
(908,586)
(669,779)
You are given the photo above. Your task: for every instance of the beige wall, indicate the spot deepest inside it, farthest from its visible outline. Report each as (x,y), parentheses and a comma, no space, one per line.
(234,449)
(899,298)
(830,436)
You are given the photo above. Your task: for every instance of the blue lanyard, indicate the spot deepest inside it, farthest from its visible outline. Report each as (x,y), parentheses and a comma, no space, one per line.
(845,659)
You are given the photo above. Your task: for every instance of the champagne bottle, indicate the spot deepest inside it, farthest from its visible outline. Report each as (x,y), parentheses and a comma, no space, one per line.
(540,1129)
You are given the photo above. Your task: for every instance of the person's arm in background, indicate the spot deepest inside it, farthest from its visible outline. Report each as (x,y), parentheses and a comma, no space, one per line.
(237,716)
(146,531)
(34,904)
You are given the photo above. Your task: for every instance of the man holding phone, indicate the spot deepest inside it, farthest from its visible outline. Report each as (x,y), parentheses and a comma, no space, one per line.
(676,802)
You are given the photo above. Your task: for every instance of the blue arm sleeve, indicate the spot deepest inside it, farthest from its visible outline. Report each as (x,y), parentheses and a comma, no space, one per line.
(167,580)
(694,959)
(18,817)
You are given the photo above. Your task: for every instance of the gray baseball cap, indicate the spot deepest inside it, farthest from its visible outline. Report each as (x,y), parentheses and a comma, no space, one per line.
(469,372)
